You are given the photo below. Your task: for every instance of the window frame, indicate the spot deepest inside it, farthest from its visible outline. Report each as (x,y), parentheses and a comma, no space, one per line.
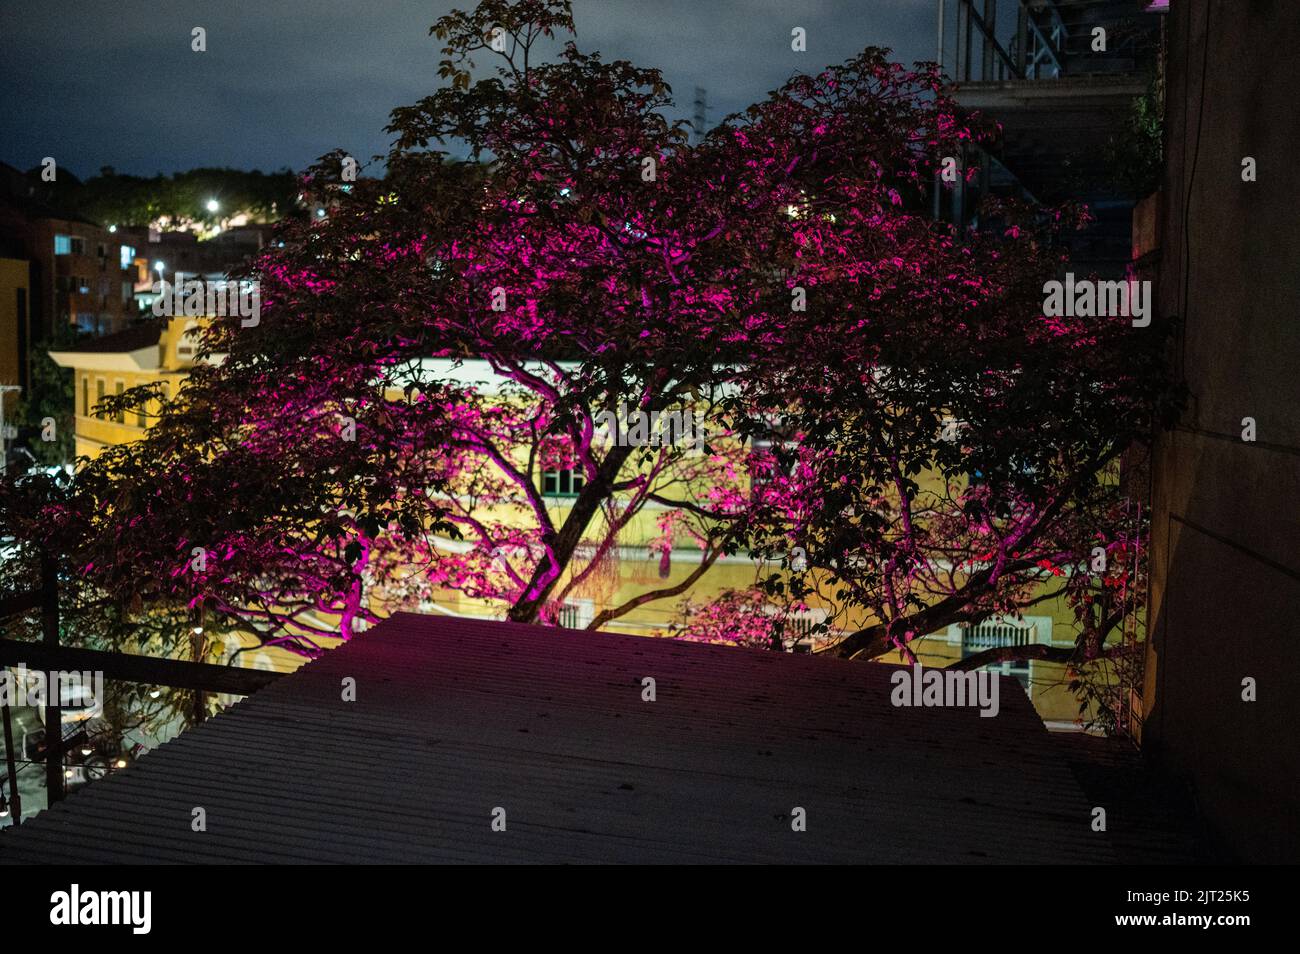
(575,482)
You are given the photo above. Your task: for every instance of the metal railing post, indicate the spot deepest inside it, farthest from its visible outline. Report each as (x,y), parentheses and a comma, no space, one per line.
(11,768)
(53,700)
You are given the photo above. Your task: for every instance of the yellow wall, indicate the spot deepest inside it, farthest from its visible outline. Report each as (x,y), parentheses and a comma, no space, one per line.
(96,430)
(14,276)
(634,572)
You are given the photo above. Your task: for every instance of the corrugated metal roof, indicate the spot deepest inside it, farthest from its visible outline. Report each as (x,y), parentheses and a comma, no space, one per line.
(455,717)
(1152,817)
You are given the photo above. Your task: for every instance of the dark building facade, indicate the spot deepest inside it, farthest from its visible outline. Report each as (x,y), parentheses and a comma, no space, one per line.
(1061,79)
(78,273)
(1225,561)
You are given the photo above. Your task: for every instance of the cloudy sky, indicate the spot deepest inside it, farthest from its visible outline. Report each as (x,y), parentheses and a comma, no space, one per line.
(114,82)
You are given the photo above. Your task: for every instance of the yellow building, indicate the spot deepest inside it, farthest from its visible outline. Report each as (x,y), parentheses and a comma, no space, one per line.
(148,355)
(15,328)
(114,363)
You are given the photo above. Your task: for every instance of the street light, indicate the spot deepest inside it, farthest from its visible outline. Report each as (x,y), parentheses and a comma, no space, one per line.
(213,205)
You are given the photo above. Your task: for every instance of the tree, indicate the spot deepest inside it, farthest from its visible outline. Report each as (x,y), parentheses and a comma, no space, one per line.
(51,397)
(180,200)
(42,533)
(778,278)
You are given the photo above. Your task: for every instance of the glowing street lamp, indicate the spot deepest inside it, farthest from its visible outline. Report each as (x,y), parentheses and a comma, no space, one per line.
(213,205)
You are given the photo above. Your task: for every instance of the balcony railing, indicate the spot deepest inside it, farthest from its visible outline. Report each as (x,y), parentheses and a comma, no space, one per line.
(998,40)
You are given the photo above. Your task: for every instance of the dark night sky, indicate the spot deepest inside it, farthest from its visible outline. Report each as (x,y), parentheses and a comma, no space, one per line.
(114,82)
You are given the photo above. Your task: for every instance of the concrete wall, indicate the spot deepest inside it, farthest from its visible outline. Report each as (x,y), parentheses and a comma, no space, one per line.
(1226,534)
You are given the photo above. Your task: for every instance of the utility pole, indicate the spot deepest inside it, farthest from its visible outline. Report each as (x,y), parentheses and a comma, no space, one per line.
(701,111)
(199,710)
(938,58)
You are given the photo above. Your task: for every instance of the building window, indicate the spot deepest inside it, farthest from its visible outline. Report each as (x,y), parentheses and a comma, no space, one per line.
(766,467)
(127,255)
(996,633)
(187,346)
(796,632)
(99,393)
(85,395)
(119,416)
(576,614)
(561,483)
(69,245)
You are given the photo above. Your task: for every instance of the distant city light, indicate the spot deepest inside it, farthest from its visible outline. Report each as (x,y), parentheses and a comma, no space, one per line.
(112,229)
(213,205)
